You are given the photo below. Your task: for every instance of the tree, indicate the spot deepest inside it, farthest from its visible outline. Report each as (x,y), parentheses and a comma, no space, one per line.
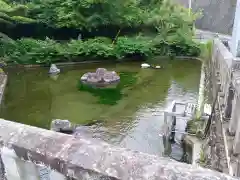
(87,14)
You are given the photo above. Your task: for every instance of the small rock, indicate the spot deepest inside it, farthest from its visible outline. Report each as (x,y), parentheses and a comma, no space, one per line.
(54,70)
(60,125)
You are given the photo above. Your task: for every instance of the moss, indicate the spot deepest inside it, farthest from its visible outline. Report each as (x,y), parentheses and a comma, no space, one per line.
(195,127)
(110,95)
(202,159)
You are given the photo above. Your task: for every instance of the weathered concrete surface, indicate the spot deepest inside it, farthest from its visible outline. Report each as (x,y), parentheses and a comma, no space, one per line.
(218,70)
(3,83)
(217,16)
(207,35)
(2,170)
(83,158)
(224,72)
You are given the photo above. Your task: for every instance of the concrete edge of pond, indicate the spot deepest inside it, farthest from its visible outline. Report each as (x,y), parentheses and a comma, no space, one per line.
(196,145)
(90,62)
(3,83)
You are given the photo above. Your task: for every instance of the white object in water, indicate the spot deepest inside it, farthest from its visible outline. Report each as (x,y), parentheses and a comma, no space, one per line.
(157,67)
(144,65)
(53,69)
(207,109)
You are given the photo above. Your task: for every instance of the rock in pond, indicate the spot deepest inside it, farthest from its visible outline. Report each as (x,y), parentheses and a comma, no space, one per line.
(53,69)
(63,126)
(100,78)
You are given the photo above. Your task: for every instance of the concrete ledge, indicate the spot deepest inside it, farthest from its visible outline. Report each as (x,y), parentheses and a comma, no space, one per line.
(3,83)
(83,158)
(222,52)
(196,147)
(95,62)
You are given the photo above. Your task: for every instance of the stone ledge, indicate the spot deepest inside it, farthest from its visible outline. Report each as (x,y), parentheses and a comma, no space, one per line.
(81,157)
(3,83)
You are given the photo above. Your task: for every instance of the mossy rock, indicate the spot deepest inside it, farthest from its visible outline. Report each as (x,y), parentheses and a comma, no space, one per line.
(195,126)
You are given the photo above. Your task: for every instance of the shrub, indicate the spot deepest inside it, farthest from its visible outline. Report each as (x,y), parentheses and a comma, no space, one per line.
(139,46)
(31,51)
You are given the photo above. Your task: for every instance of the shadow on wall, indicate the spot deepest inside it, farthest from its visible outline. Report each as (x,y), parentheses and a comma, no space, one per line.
(217,16)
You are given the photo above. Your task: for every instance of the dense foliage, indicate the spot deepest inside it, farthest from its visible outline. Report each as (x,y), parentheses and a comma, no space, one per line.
(11,14)
(32,51)
(170,27)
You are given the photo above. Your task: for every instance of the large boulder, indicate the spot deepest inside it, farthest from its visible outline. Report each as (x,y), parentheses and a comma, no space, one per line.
(101,77)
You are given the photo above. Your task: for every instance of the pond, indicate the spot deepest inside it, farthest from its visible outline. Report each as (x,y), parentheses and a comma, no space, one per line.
(131,116)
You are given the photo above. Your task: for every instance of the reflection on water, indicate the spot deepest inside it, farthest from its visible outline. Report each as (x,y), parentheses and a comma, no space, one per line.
(134,121)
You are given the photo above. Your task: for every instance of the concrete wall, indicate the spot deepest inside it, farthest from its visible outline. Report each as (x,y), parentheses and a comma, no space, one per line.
(25,149)
(217,15)
(225,128)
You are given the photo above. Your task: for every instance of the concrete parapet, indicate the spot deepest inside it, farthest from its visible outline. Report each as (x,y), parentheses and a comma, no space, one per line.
(83,158)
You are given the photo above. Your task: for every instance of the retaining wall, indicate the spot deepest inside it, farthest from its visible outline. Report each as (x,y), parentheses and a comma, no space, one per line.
(217,15)
(82,158)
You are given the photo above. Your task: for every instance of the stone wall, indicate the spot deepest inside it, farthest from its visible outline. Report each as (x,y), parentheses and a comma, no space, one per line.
(82,158)
(217,15)
(225,128)
(3,83)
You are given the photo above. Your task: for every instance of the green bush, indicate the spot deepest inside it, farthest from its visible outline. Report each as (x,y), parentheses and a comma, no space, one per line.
(21,19)
(4,6)
(170,25)
(139,46)
(13,13)
(31,51)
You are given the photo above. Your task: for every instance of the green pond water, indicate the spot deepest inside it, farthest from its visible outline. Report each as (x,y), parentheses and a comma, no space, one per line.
(130,113)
